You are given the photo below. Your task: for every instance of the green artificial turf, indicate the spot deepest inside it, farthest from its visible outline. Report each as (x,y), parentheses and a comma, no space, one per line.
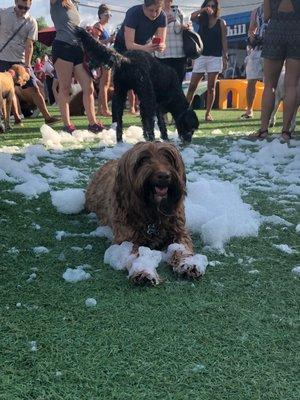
(232,335)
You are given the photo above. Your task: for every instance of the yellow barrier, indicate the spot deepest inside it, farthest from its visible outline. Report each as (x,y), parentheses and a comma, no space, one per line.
(238,87)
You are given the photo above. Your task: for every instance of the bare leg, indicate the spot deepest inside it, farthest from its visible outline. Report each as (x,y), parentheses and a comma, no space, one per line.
(38,100)
(272,70)
(250,94)
(103,93)
(292,77)
(196,78)
(132,102)
(211,93)
(64,71)
(88,92)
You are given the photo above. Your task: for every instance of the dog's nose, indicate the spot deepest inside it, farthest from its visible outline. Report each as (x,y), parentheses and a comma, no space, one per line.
(163,176)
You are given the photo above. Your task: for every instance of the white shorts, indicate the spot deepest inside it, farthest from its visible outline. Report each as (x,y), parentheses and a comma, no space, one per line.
(254,65)
(207,64)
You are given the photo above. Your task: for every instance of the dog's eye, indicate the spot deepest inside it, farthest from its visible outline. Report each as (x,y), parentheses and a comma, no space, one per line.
(169,158)
(140,162)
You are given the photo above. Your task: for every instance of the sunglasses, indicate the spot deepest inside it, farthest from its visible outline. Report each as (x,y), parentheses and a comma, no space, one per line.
(24,8)
(107,15)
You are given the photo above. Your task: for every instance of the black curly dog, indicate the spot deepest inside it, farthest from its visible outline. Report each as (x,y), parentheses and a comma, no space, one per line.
(155,84)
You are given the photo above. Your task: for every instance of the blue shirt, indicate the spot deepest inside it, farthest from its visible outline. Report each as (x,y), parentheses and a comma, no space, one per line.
(144,27)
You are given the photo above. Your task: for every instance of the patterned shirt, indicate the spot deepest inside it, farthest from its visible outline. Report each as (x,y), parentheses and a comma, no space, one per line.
(174,41)
(9,23)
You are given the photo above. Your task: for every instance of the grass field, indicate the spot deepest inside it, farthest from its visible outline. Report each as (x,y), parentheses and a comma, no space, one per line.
(234,335)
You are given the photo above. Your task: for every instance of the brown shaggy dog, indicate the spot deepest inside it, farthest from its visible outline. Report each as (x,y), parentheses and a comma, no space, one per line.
(140,196)
(17,75)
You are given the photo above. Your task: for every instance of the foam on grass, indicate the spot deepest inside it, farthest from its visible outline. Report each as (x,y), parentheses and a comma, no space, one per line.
(68,201)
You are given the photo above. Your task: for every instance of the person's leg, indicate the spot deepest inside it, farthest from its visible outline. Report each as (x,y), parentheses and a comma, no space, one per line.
(64,70)
(86,83)
(250,95)
(103,92)
(291,81)
(272,70)
(211,93)
(196,78)
(132,102)
(39,101)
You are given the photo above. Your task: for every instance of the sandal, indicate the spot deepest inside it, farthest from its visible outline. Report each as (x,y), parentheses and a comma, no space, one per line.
(286,136)
(246,116)
(260,134)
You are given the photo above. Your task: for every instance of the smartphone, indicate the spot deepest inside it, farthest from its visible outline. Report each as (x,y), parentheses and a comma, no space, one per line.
(174,9)
(156,40)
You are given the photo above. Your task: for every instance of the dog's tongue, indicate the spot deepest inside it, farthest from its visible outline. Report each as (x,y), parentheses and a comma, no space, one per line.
(161,191)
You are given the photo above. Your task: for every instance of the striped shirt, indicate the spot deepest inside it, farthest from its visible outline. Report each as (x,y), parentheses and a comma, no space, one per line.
(174,41)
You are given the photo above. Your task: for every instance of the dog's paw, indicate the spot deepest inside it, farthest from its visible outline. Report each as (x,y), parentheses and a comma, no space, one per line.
(190,271)
(192,267)
(144,277)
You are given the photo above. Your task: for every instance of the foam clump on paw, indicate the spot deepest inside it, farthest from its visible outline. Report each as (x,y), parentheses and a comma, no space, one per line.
(147,262)
(171,250)
(197,261)
(119,256)
(68,201)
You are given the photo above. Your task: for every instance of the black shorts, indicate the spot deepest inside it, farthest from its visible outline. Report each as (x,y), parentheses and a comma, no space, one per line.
(67,52)
(6,65)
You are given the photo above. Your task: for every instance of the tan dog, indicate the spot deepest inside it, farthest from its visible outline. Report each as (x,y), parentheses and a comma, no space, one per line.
(17,75)
(141,197)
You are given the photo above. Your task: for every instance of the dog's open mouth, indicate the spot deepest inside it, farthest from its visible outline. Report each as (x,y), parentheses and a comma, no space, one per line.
(161,191)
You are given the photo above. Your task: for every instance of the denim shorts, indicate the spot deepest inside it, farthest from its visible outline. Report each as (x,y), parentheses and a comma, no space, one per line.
(67,52)
(6,65)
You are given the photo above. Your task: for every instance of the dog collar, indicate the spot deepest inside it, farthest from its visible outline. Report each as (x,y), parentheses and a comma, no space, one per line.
(12,72)
(152,230)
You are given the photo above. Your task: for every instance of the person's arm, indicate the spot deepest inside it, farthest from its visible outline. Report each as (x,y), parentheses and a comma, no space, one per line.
(28,52)
(267,10)
(197,13)
(252,26)
(32,37)
(129,35)
(224,43)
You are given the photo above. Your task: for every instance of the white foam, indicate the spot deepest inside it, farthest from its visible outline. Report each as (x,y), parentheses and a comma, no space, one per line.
(68,201)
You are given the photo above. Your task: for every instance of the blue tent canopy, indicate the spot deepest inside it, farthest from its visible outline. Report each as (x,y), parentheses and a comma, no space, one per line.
(237,26)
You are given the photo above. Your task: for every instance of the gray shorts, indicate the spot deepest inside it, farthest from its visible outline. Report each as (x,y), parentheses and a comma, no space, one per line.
(282,40)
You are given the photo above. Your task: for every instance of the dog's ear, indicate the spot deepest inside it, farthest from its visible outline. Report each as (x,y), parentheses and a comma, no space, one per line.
(122,183)
(191,119)
(176,159)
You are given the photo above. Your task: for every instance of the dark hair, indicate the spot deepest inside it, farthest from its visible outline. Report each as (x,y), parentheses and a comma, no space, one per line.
(203,19)
(103,8)
(148,3)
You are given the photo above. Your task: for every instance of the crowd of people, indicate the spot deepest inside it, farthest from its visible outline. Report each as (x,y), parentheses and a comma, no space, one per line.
(157,27)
